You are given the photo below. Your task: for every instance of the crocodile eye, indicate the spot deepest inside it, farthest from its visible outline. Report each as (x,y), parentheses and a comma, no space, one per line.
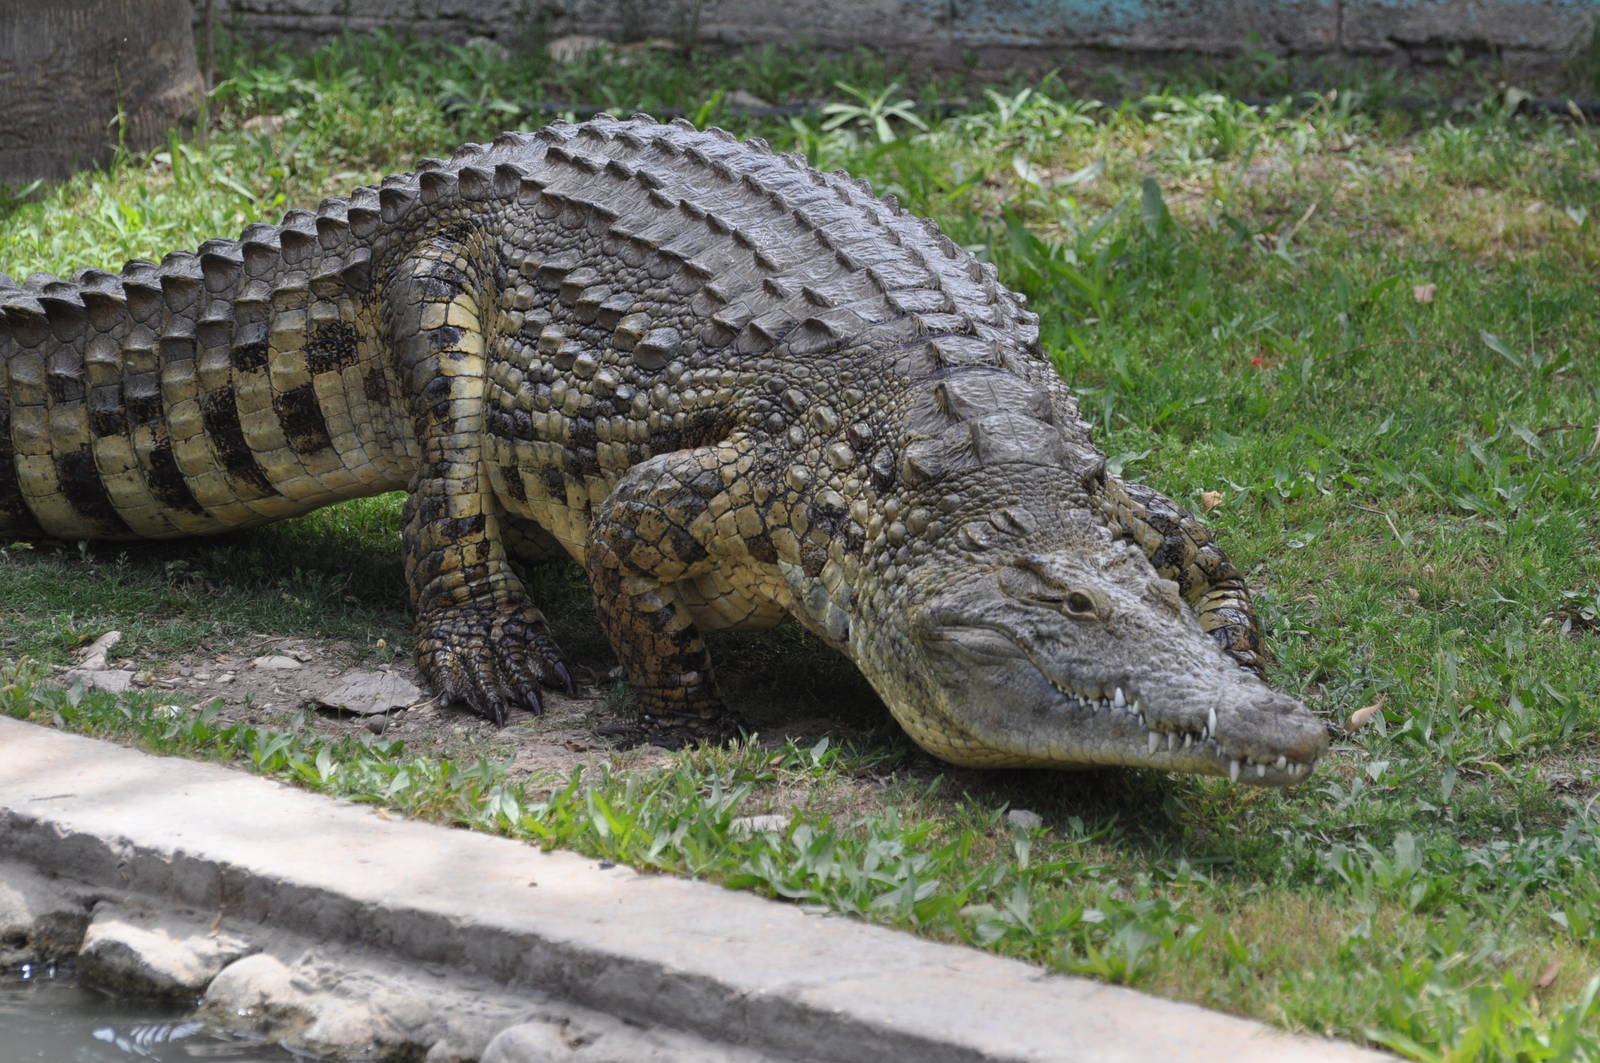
(1026,581)
(1082,603)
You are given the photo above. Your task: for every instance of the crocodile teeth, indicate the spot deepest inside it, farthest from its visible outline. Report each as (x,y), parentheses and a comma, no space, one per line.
(1233,770)
(1261,771)
(1211,720)
(1172,741)
(1118,700)
(1155,740)
(1188,739)
(1283,761)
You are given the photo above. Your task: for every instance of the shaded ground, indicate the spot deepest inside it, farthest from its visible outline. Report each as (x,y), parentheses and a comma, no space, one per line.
(281,682)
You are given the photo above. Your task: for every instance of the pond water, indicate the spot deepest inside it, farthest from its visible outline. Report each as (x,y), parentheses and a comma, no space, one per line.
(47,1016)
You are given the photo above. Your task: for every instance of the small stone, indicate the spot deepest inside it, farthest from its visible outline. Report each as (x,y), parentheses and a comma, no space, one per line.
(93,656)
(575,45)
(744,100)
(276,660)
(40,917)
(264,125)
(747,825)
(1024,819)
(225,678)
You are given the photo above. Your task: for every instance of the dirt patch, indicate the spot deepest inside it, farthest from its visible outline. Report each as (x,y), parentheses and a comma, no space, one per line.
(281,683)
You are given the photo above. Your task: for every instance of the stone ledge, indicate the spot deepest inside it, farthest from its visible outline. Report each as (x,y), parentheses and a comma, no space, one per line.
(680,958)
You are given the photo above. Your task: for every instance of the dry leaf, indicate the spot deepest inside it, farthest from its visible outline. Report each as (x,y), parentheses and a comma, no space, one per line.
(1423,293)
(1210,500)
(1361,717)
(1547,975)
(1413,593)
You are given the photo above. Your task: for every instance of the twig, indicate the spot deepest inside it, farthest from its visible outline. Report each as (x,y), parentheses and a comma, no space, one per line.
(1397,536)
(1283,241)
(1593,445)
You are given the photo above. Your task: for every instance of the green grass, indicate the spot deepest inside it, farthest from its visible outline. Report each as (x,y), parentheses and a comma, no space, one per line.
(1241,297)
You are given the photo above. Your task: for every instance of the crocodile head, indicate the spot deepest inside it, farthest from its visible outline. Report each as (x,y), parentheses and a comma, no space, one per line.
(1070,658)
(1028,632)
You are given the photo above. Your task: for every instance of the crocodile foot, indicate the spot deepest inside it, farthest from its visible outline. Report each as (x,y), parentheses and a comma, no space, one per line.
(494,659)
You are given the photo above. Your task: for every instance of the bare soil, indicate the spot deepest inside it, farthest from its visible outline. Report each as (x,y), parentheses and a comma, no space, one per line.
(248,688)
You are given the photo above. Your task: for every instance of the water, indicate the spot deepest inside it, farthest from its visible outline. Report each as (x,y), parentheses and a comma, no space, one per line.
(46,1016)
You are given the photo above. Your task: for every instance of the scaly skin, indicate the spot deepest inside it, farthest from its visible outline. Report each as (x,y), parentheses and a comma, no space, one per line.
(736,390)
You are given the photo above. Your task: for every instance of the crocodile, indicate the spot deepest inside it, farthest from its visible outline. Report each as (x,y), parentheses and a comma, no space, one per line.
(734,389)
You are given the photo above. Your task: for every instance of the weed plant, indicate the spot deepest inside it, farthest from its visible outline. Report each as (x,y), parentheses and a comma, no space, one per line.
(1364,341)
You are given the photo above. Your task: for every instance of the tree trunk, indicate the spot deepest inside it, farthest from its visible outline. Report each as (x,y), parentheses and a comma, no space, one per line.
(77,77)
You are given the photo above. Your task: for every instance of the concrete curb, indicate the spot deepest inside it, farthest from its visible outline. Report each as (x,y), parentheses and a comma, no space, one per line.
(653,950)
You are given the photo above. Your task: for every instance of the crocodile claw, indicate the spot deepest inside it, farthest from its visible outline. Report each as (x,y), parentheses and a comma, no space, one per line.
(492,659)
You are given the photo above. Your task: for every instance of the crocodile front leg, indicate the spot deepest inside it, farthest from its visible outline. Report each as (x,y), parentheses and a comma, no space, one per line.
(479,638)
(668,520)
(1182,549)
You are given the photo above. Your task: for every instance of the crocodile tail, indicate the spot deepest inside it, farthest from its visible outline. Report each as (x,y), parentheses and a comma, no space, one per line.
(218,389)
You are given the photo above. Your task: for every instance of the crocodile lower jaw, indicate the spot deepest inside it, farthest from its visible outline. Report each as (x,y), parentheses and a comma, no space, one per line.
(1161,740)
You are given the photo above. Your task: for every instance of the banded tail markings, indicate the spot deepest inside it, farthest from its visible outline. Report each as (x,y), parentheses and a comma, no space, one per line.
(15,516)
(221,418)
(81,485)
(167,482)
(278,430)
(331,345)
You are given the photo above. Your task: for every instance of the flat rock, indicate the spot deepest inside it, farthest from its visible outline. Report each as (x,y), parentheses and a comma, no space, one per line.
(111,680)
(140,950)
(276,660)
(368,693)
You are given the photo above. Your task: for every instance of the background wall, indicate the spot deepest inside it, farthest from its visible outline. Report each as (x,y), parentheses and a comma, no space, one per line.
(1524,32)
